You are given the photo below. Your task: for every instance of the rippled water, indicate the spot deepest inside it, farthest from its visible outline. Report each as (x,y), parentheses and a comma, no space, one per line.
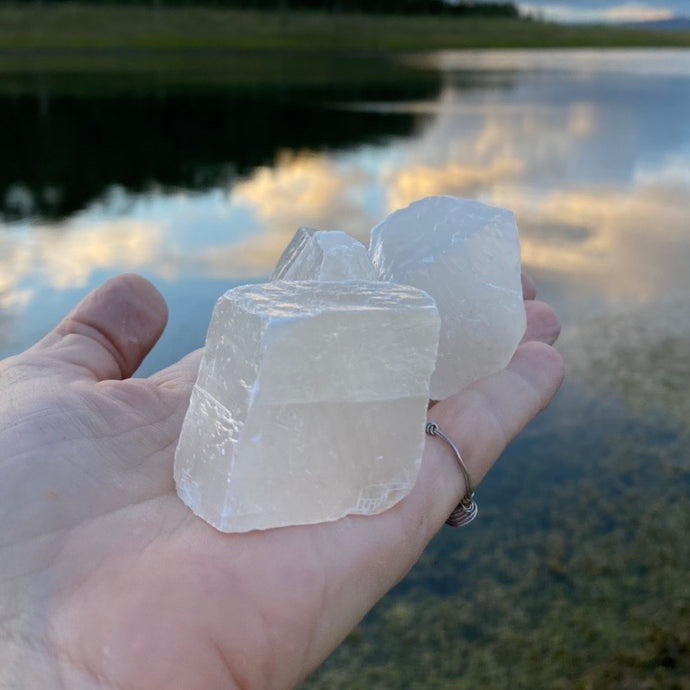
(198,178)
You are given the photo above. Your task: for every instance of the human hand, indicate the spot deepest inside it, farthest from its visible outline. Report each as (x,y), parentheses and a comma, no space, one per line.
(108,580)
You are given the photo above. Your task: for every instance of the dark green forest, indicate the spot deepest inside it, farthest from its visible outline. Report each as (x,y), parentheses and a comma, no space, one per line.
(430,7)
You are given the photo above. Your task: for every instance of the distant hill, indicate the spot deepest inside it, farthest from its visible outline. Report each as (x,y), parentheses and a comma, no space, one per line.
(672,24)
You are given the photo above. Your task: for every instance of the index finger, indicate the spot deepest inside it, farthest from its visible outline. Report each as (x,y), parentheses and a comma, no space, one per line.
(529,289)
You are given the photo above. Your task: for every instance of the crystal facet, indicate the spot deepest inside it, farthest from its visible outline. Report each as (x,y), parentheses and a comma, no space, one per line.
(324,255)
(309,405)
(466,255)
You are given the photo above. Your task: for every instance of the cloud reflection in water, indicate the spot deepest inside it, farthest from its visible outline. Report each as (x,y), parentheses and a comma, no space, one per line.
(599,181)
(66,258)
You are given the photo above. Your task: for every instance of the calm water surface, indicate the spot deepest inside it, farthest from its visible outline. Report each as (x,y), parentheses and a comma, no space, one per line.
(198,180)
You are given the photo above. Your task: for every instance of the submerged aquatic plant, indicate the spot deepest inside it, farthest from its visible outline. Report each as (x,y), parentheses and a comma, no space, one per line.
(576,575)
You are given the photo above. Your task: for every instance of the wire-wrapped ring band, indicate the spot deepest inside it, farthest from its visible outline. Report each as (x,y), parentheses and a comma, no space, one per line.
(467,509)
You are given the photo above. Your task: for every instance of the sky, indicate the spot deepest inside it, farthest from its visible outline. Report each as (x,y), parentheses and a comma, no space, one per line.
(607,10)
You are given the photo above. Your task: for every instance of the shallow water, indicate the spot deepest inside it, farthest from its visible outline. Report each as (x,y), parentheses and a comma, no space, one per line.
(197,178)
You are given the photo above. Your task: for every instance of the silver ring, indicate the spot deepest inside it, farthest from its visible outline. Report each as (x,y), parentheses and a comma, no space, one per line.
(467,509)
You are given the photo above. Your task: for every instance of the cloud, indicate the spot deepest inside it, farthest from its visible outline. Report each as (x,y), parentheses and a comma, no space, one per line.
(672,172)
(599,189)
(325,191)
(301,189)
(617,243)
(637,12)
(625,12)
(537,159)
(15,263)
(467,154)
(621,234)
(410,183)
(67,257)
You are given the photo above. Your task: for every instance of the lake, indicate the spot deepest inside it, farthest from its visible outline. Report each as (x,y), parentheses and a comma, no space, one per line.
(195,170)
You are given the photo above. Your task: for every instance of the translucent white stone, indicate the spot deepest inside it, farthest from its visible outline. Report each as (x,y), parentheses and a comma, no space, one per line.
(309,405)
(466,255)
(324,255)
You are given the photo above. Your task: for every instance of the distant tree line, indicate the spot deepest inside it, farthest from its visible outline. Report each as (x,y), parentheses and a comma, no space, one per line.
(433,7)
(436,7)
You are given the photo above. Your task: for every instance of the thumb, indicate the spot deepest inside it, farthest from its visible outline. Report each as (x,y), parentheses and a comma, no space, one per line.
(110,331)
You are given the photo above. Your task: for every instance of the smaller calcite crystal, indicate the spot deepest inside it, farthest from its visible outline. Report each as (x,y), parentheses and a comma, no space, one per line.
(309,405)
(326,255)
(466,255)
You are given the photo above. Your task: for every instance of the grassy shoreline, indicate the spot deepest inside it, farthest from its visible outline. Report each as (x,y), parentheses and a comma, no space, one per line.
(76,27)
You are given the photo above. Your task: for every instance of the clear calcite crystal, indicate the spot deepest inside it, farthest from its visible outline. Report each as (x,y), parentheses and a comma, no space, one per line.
(324,255)
(466,255)
(309,405)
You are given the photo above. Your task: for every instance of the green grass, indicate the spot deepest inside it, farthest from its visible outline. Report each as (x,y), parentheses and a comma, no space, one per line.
(85,27)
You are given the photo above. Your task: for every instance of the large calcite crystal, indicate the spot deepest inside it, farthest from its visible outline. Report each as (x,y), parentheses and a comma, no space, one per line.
(309,404)
(324,255)
(466,255)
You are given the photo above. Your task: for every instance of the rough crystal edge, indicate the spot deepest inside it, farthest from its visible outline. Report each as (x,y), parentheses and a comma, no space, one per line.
(288,311)
(442,387)
(292,251)
(336,249)
(377,230)
(189,492)
(185,483)
(249,523)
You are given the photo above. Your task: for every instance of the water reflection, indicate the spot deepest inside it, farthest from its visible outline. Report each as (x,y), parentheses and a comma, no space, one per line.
(70,140)
(597,170)
(667,62)
(213,183)
(591,150)
(640,355)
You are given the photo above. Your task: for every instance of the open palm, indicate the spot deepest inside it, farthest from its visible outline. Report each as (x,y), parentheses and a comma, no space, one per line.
(108,580)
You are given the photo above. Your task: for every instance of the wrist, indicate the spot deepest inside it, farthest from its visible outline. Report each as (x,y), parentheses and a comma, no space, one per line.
(28,663)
